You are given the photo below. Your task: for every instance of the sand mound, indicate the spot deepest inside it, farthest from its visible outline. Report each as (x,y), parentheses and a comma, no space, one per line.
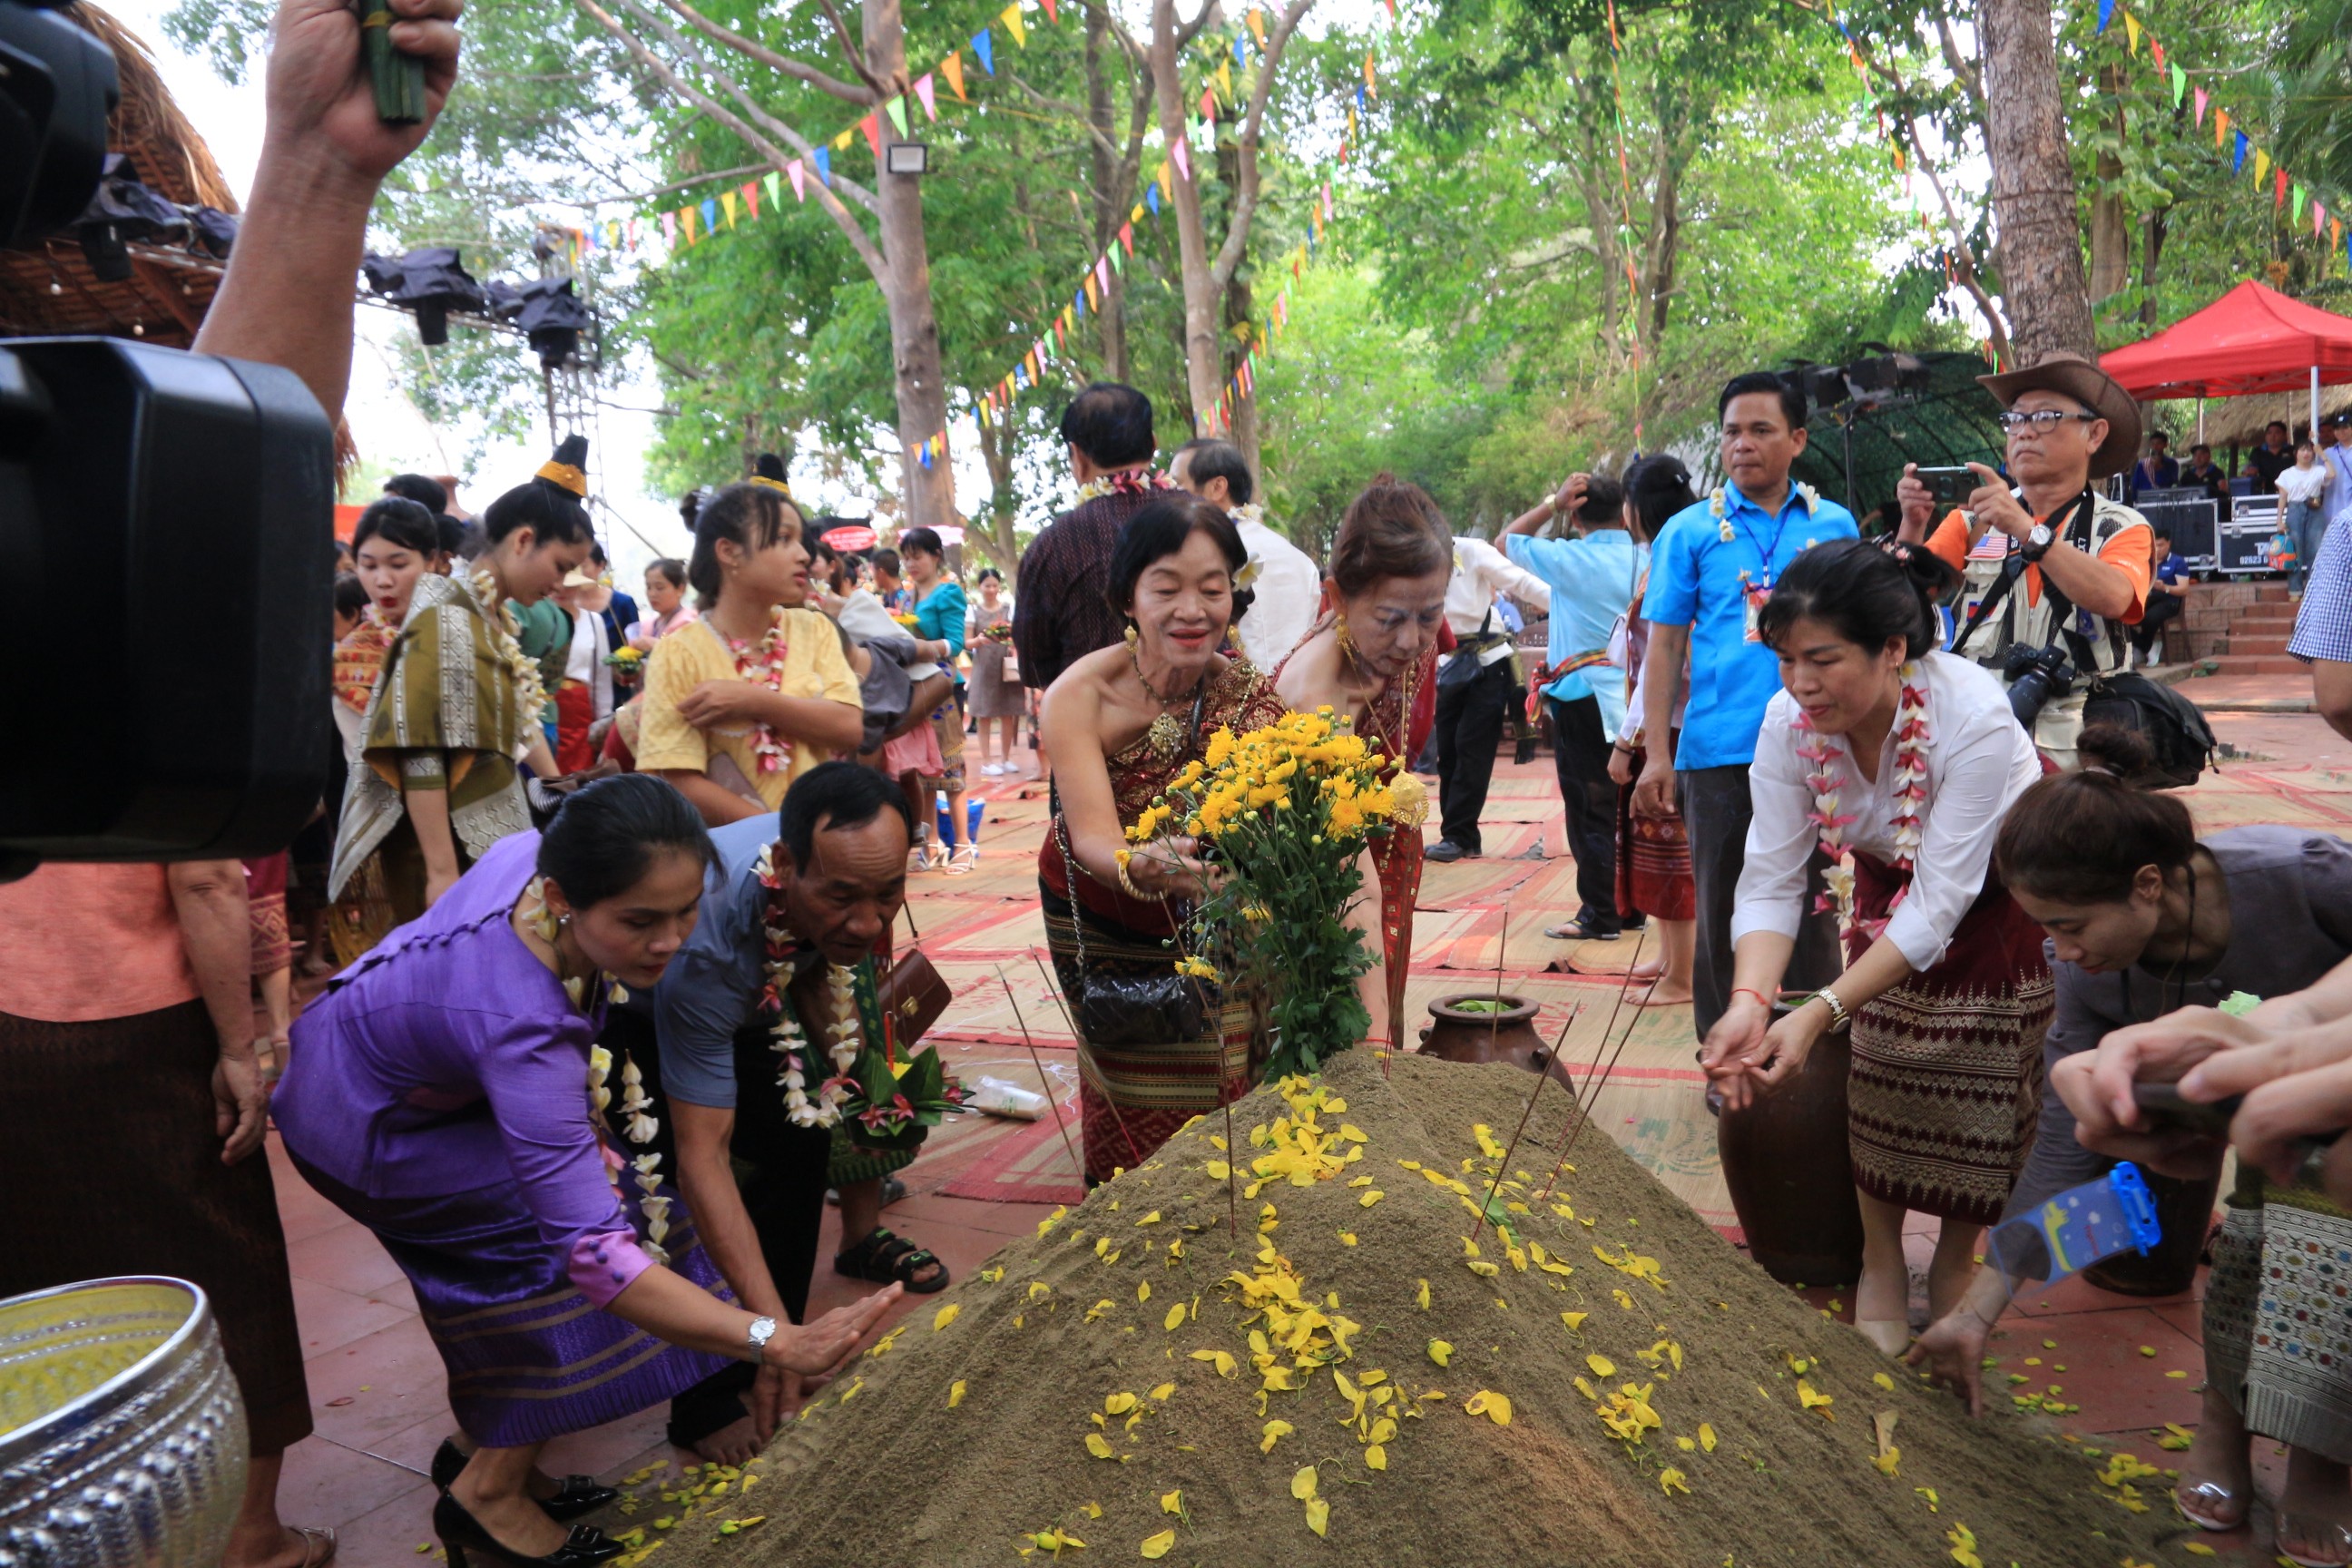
(1612,1385)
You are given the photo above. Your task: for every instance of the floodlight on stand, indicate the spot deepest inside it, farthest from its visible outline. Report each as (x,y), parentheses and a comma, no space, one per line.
(907,158)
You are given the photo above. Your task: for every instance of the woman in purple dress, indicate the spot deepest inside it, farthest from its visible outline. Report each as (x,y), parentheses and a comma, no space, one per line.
(446,1093)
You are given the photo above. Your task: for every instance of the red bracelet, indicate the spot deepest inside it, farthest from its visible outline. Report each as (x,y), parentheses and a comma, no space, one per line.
(1751,991)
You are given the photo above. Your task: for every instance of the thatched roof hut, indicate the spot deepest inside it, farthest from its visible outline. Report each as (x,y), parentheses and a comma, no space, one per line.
(50,289)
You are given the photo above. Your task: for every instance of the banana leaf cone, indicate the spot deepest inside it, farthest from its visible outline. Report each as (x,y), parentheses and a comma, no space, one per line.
(398,78)
(896,1109)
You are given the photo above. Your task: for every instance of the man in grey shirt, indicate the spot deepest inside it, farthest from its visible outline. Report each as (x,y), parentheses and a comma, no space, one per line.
(703,1047)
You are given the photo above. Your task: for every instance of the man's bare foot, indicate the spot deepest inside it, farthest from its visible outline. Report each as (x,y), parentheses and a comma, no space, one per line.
(734,1444)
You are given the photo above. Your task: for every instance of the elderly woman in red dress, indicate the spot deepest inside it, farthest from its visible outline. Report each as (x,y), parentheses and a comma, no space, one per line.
(1373,659)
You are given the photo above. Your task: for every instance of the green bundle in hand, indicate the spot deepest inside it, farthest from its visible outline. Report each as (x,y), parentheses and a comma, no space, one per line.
(398,78)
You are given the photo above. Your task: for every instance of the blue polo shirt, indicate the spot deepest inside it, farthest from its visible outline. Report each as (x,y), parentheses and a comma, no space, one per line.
(1592,581)
(713,985)
(1699,580)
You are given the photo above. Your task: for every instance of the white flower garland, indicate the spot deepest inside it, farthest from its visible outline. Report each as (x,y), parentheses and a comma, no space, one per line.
(791,1042)
(1718,508)
(1132,481)
(640,1128)
(1910,793)
(531,692)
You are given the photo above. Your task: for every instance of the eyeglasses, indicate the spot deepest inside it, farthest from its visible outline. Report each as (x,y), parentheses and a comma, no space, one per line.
(2042,420)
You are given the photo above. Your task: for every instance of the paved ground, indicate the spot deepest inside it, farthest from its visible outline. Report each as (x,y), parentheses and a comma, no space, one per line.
(376,1381)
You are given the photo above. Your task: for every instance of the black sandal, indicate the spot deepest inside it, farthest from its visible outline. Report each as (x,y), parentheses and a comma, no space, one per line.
(575,1496)
(883,1258)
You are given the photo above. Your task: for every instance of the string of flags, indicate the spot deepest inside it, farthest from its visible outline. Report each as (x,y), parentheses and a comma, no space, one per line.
(2230,138)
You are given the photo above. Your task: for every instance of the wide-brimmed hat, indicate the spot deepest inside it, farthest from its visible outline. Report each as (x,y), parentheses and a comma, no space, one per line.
(2071,376)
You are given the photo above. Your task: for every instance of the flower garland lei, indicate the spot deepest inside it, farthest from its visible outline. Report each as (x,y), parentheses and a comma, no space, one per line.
(640,1127)
(843,1042)
(1127,481)
(764,666)
(531,692)
(1718,508)
(1827,779)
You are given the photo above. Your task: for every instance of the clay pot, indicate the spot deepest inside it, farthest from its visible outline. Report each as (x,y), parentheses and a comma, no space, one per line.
(2184,1207)
(1455,1035)
(1792,1180)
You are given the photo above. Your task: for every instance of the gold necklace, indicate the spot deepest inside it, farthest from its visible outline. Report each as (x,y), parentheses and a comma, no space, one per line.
(1167,736)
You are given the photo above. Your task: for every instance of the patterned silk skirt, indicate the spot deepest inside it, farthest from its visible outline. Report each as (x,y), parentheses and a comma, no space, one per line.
(2278,1316)
(1654,864)
(1133,1099)
(1945,1085)
(528,1357)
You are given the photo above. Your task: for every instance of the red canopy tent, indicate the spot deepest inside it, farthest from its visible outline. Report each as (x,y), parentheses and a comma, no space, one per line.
(2252,339)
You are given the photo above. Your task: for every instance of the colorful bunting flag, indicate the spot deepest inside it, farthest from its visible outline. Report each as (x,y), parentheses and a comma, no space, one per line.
(2131,30)
(1116,265)
(1256,20)
(2238,155)
(1209,105)
(1127,233)
(1088,281)
(1184,162)
(686,217)
(774,183)
(2156,53)
(897,111)
(2200,105)
(1151,194)
(872,128)
(953,67)
(1370,85)
(1225,83)
(709,217)
(2261,165)
(2222,128)
(1051,14)
(800,179)
(2180,85)
(2298,198)
(1102,272)
(823,165)
(1011,18)
(2278,201)
(2319,218)
(2107,14)
(669,229)
(927,92)
(727,199)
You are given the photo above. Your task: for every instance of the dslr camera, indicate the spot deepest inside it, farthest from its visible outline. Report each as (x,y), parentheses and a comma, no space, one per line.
(2036,675)
(165,523)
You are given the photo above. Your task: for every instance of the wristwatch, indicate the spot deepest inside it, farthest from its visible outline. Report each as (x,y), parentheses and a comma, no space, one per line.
(761,1331)
(2037,540)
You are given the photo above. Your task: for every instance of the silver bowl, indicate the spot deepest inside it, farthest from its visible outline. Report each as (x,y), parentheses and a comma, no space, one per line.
(122,1436)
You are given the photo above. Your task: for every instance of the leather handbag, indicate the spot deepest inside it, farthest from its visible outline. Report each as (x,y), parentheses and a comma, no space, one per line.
(1158,1007)
(913,995)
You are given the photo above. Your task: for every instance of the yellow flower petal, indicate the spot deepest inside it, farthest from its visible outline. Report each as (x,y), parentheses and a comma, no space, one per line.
(1275,1430)
(1376,1458)
(1495,1407)
(1143,1290)
(1175,1319)
(1173,1502)
(1423,1296)
(1371,1196)
(1670,1481)
(1119,1404)
(1302,1482)
(955,1394)
(1574,1320)
(1883,1381)
(1319,1515)
(1440,1351)
(1707,1436)
(1099,1445)
(1159,1545)
(944,1316)
(1601,1365)
(1219,1169)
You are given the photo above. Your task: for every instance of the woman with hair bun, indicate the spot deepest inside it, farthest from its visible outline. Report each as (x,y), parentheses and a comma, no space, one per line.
(2154,927)
(447,1093)
(1898,761)
(1373,661)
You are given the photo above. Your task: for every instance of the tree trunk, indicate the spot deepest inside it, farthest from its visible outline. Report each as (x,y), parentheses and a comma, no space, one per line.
(1109,201)
(993,531)
(929,492)
(2110,220)
(2151,252)
(1192,240)
(2042,287)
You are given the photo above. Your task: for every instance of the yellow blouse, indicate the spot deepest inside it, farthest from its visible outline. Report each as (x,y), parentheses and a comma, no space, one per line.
(814,667)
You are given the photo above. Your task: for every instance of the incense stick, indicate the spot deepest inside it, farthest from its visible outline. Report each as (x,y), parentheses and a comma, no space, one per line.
(1543,1071)
(1593,1094)
(1053,1100)
(1078,1042)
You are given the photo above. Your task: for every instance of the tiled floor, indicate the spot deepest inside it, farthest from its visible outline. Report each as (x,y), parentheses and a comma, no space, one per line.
(376,1381)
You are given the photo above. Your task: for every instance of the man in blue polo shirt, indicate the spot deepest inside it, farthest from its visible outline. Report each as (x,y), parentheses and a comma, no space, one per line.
(1712,568)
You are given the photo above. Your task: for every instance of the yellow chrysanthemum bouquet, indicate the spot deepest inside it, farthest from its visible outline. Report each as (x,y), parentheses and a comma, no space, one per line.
(1287,810)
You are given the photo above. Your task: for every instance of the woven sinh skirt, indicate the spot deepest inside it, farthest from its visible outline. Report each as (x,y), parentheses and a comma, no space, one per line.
(112,1126)
(1133,1099)
(2278,1316)
(529,1356)
(1654,864)
(1945,1086)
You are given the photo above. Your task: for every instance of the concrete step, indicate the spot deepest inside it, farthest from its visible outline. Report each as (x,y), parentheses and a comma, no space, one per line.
(2240,644)
(2259,664)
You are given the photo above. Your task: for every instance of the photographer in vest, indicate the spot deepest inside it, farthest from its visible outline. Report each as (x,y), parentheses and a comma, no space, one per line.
(2047,607)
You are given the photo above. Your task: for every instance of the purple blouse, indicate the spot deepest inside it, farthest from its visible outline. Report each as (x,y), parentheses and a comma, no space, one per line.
(448,1059)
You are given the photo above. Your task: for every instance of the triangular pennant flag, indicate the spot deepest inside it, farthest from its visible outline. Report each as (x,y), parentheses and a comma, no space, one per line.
(2200,102)
(1051,14)
(953,67)
(1134,216)
(1369,84)
(2156,53)
(841,142)
(1152,193)
(1330,207)
(728,199)
(750,194)
(823,165)
(775,183)
(1117,264)
(2240,148)
(1063,334)
(985,47)
(2221,126)
(982,410)
(583,242)
(1102,272)
(872,127)
(1011,18)
(927,93)
(669,229)
(686,218)
(898,109)
(2261,165)
(1224,80)
(2278,201)
(1256,20)
(2180,83)
(2318,218)
(1088,280)
(1182,160)
(2131,31)
(1069,317)
(1126,235)
(2298,199)
(1209,105)
(1241,51)
(2106,14)
(709,215)
(799,177)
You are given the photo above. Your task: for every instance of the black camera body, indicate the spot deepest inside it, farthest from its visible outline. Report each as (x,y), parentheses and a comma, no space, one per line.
(165,528)
(2036,675)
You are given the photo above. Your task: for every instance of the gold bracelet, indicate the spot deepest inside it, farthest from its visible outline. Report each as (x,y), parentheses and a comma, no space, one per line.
(1126,885)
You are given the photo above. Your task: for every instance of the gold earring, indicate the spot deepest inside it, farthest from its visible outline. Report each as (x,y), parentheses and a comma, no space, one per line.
(1133,635)
(1346,639)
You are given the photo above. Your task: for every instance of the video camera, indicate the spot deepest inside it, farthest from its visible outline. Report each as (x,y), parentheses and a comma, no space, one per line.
(165,524)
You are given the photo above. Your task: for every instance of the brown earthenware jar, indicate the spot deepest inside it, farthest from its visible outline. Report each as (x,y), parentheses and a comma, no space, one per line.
(1455,1035)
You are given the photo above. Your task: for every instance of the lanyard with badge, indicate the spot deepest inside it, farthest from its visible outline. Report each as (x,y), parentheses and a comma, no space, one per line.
(1753,591)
